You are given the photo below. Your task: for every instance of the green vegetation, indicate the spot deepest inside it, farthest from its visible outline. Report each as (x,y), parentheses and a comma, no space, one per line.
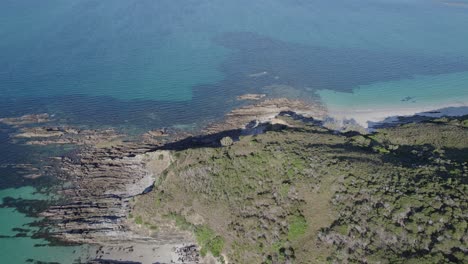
(138,220)
(297,227)
(308,195)
(464,123)
(206,238)
(209,241)
(181,222)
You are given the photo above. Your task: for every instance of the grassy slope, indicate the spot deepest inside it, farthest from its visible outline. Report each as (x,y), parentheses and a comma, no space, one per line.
(307,195)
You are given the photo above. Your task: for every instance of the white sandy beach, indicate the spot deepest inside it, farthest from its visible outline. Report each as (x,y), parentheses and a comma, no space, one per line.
(364,116)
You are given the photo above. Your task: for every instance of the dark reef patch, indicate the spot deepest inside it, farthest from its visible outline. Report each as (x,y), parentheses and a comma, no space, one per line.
(256,61)
(316,67)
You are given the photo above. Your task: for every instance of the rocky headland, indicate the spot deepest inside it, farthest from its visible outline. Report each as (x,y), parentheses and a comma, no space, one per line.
(151,199)
(266,111)
(105,173)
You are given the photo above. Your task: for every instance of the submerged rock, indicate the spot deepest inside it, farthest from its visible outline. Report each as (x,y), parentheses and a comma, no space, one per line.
(26,119)
(252,97)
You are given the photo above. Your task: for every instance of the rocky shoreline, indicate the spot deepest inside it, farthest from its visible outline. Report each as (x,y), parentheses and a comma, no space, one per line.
(105,173)
(266,111)
(102,176)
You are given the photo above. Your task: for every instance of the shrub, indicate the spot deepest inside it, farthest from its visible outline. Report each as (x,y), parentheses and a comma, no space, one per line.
(209,241)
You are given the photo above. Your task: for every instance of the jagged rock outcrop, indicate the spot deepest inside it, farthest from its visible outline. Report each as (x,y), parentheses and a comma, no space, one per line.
(266,111)
(46,135)
(99,185)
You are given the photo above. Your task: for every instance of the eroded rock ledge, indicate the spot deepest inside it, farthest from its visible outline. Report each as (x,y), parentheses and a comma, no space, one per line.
(99,186)
(266,111)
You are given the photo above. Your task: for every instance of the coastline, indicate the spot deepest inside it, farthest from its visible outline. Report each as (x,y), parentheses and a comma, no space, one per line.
(375,102)
(366,117)
(127,170)
(226,193)
(284,132)
(105,173)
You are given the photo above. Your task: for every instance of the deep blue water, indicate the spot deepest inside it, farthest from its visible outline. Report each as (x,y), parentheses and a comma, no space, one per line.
(142,64)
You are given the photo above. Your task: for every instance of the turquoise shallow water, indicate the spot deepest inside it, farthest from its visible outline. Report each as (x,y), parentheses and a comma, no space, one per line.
(420,91)
(141,64)
(159,50)
(15,245)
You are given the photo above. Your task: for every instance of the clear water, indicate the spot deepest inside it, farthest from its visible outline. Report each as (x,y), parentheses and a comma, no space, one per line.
(420,91)
(141,64)
(16,246)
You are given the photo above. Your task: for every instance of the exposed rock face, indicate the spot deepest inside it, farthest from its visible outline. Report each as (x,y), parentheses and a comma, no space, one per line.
(226,141)
(100,178)
(188,254)
(158,133)
(264,112)
(47,135)
(101,183)
(34,130)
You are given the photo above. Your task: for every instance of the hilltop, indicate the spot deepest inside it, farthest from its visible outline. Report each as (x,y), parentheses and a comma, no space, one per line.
(304,194)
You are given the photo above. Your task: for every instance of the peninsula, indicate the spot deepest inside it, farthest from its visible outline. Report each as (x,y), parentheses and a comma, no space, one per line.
(272,183)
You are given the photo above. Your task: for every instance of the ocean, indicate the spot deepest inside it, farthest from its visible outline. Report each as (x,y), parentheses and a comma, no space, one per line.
(136,65)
